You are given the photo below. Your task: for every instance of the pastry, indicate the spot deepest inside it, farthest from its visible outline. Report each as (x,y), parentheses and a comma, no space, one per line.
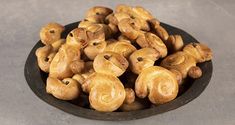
(99,10)
(152,41)
(60,65)
(45,55)
(143,58)
(130,96)
(174,43)
(94,48)
(110,63)
(122,47)
(51,33)
(199,51)
(77,38)
(158,83)
(67,89)
(106,92)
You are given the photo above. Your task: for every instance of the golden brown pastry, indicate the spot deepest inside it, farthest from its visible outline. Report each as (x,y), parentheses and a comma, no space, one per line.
(60,65)
(77,38)
(152,41)
(77,66)
(179,61)
(106,92)
(174,43)
(129,28)
(195,72)
(57,44)
(99,31)
(143,58)
(115,18)
(79,78)
(110,63)
(67,89)
(122,47)
(51,33)
(130,96)
(45,55)
(99,10)
(85,24)
(158,29)
(178,75)
(123,8)
(199,51)
(143,13)
(95,19)
(94,48)
(158,83)
(154,22)
(136,105)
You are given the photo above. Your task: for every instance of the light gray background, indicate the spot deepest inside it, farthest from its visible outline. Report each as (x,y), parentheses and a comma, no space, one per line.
(210,21)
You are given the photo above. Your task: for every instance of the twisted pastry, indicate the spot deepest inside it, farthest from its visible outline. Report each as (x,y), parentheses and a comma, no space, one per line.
(60,65)
(51,33)
(84,24)
(143,58)
(95,18)
(199,51)
(121,47)
(106,92)
(99,10)
(99,31)
(67,89)
(158,83)
(130,96)
(174,43)
(152,41)
(179,61)
(44,57)
(77,38)
(94,48)
(110,63)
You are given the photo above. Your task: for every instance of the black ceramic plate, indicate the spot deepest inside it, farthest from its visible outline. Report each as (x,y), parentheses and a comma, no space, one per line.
(36,81)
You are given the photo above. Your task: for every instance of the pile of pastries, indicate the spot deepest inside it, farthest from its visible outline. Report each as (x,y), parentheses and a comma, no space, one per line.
(119,59)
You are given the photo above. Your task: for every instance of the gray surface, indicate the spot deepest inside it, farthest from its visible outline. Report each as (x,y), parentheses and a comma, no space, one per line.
(210,21)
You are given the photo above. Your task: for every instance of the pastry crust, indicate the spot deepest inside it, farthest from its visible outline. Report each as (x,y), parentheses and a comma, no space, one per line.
(51,33)
(199,51)
(99,10)
(174,43)
(110,63)
(143,58)
(106,92)
(158,83)
(130,96)
(67,89)
(179,61)
(152,41)
(94,48)
(60,65)
(77,38)
(122,47)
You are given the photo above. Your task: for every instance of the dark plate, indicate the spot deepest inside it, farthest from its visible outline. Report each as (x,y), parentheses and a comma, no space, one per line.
(36,81)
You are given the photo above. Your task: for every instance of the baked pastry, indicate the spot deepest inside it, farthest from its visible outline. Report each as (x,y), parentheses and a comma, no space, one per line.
(77,66)
(85,24)
(67,89)
(60,65)
(158,83)
(122,47)
(130,96)
(129,28)
(95,18)
(152,41)
(174,43)
(143,58)
(77,38)
(106,92)
(179,61)
(199,51)
(99,10)
(94,48)
(51,33)
(45,55)
(57,44)
(110,63)
(158,29)
(99,31)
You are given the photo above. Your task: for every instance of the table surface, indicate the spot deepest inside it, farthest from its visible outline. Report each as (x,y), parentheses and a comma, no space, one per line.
(209,21)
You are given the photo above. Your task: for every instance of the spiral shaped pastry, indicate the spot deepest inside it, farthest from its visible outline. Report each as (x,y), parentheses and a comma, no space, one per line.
(77,38)
(152,41)
(60,65)
(199,51)
(143,58)
(179,61)
(94,48)
(110,63)
(106,92)
(158,83)
(122,47)
(51,33)
(67,89)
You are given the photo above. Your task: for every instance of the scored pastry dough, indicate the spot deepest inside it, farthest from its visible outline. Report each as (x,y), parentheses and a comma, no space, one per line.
(158,83)
(106,92)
